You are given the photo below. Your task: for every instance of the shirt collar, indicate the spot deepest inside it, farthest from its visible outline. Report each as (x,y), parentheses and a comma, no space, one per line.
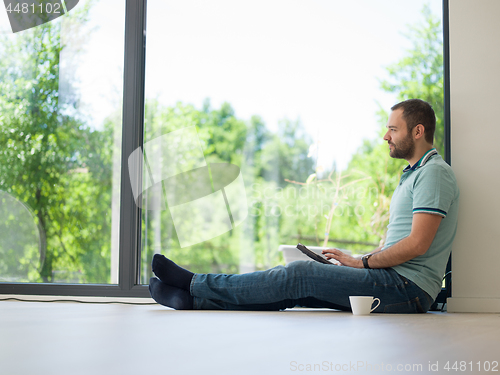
(422,160)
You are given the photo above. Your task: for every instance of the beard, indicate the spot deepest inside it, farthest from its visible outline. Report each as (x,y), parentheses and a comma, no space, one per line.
(405,149)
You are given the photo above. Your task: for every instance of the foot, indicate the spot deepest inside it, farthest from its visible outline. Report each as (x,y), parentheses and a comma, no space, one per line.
(170,296)
(170,273)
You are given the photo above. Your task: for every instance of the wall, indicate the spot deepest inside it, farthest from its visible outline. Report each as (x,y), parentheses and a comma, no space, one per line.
(475,153)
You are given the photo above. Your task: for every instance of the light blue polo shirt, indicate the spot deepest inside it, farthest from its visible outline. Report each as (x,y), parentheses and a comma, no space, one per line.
(429,186)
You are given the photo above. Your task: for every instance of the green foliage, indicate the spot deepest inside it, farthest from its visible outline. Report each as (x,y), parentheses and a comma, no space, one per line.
(420,73)
(285,154)
(222,138)
(51,161)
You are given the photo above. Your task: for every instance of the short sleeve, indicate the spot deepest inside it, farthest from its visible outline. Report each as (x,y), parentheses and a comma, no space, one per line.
(433,191)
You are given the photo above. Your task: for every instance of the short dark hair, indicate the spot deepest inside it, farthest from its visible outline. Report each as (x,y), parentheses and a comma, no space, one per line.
(417,111)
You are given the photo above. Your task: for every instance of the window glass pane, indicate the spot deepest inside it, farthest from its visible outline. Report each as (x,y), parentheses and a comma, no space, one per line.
(264,121)
(60,136)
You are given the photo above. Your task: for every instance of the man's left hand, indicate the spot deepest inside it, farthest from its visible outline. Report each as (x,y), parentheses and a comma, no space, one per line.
(342,258)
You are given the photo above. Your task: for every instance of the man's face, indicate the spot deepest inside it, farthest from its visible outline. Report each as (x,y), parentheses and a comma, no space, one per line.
(401,143)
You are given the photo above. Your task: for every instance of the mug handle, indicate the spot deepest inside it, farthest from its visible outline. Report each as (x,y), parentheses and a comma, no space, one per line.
(375,299)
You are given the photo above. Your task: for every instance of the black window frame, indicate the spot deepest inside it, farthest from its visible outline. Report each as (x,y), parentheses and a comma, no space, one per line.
(445,292)
(132,138)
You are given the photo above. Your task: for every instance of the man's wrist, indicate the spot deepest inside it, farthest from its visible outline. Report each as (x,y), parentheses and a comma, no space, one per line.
(364,260)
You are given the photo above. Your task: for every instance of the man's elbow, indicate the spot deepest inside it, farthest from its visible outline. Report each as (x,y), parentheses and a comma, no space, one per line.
(421,248)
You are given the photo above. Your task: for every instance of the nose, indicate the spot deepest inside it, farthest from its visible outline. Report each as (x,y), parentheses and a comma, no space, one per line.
(386,136)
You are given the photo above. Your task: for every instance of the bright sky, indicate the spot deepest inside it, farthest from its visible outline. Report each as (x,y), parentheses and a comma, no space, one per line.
(317,60)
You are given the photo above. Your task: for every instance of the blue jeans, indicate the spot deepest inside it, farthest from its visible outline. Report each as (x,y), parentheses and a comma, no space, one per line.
(307,284)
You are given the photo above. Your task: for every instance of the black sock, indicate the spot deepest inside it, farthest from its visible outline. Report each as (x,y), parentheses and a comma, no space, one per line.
(170,273)
(170,296)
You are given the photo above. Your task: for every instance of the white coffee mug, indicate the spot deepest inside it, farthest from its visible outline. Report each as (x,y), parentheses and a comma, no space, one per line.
(362,305)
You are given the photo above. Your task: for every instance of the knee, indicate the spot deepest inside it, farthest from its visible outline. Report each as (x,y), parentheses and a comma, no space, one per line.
(298,267)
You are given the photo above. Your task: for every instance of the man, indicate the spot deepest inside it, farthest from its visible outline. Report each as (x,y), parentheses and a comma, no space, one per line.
(405,274)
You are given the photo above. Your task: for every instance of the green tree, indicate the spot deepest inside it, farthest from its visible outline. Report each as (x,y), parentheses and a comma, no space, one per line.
(223,138)
(420,73)
(50,159)
(285,154)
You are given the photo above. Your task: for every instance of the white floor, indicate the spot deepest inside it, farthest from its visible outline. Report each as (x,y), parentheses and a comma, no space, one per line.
(74,338)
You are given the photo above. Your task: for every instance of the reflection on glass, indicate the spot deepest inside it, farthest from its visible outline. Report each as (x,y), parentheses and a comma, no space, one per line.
(60,119)
(22,249)
(295,96)
(202,198)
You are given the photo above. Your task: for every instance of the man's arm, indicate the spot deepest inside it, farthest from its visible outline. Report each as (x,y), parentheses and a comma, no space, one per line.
(423,231)
(377,250)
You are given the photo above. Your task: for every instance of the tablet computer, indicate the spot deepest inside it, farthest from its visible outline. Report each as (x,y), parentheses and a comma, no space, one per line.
(313,255)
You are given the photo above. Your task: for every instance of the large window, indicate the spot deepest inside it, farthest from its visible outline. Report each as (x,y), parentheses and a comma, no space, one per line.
(60,135)
(214,133)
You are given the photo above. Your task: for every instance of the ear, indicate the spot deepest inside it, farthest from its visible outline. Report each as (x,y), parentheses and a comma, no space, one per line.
(418,131)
